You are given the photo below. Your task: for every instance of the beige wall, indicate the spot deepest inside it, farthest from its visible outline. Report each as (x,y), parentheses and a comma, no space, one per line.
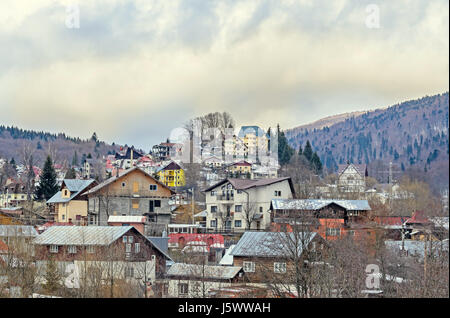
(71,209)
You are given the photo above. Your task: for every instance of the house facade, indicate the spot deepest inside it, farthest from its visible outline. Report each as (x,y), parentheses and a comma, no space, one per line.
(172,175)
(132,192)
(331,219)
(121,252)
(68,204)
(352,178)
(237,204)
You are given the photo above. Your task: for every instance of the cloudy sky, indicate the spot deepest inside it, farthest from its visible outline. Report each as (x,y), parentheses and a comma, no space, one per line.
(133,70)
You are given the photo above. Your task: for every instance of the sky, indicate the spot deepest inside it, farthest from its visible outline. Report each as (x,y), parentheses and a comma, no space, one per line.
(134,70)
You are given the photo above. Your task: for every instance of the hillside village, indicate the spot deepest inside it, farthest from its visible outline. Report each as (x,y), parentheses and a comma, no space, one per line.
(231,218)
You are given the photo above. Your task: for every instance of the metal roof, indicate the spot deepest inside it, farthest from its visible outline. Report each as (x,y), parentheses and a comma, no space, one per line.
(203,271)
(81,235)
(126,219)
(316,204)
(17,230)
(416,248)
(75,186)
(271,244)
(227,259)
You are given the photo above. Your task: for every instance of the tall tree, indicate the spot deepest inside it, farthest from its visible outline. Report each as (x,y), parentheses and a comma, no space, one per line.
(316,163)
(75,159)
(285,151)
(47,184)
(307,152)
(70,174)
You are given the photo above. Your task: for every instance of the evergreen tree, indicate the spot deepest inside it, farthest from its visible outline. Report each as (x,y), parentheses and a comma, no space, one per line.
(285,151)
(39,146)
(75,159)
(307,152)
(89,156)
(12,162)
(300,151)
(47,184)
(94,137)
(316,163)
(70,174)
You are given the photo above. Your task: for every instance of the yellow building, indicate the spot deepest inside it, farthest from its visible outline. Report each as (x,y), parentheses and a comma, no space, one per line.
(240,168)
(68,204)
(172,175)
(13,194)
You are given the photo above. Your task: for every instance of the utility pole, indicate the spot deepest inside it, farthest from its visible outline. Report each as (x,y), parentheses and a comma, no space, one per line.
(193,206)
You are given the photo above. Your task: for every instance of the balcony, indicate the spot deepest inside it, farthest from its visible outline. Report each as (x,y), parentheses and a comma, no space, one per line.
(225,197)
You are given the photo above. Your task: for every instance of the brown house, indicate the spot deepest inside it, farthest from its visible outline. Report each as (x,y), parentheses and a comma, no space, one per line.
(132,192)
(131,253)
(268,255)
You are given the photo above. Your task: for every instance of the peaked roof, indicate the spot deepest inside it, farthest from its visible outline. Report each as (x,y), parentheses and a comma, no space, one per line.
(86,235)
(360,168)
(171,166)
(204,271)
(75,186)
(271,244)
(17,230)
(317,204)
(122,174)
(243,184)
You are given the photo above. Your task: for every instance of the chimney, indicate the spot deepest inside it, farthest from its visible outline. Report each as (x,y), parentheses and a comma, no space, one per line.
(132,157)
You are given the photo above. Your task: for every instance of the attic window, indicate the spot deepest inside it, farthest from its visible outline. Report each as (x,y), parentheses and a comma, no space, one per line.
(123,184)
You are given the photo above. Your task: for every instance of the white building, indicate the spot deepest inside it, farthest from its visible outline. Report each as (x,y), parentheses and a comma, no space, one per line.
(232,204)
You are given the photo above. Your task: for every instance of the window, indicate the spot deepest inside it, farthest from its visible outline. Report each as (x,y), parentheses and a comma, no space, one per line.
(63,217)
(213,193)
(153,187)
(279,267)
(213,208)
(157,203)
(249,267)
(129,271)
(53,248)
(130,239)
(183,289)
(333,231)
(124,239)
(237,223)
(351,232)
(135,203)
(123,184)
(128,248)
(90,249)
(239,191)
(72,249)
(135,187)
(261,209)
(278,193)
(137,247)
(238,208)
(213,223)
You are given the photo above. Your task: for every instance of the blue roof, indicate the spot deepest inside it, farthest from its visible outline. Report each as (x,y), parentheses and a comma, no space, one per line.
(249,129)
(271,244)
(75,186)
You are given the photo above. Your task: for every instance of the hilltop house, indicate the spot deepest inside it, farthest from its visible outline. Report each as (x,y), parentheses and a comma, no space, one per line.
(352,178)
(241,168)
(172,175)
(132,192)
(68,204)
(13,193)
(239,204)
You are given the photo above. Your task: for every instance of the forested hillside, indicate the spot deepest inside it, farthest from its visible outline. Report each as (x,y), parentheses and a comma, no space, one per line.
(412,135)
(62,148)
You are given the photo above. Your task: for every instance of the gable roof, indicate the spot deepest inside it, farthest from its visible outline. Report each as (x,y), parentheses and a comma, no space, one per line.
(86,235)
(203,271)
(317,204)
(360,168)
(122,174)
(270,244)
(170,166)
(243,184)
(241,163)
(75,186)
(17,230)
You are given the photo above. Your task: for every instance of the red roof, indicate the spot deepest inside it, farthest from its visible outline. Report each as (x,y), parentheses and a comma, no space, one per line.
(242,163)
(418,217)
(182,239)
